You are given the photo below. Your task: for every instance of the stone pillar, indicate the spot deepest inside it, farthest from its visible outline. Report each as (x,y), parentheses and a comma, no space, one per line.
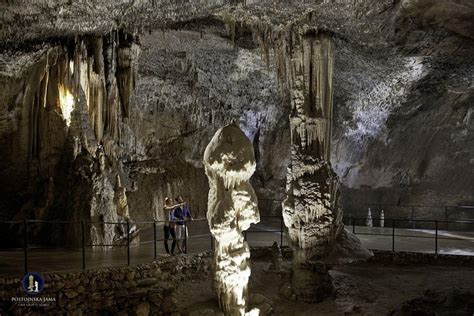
(311,209)
(232,206)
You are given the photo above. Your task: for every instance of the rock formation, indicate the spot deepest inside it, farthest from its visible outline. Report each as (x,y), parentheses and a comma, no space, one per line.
(68,99)
(232,206)
(368,221)
(120,199)
(400,65)
(311,210)
(277,258)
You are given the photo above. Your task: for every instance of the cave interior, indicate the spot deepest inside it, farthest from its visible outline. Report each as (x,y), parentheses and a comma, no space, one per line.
(325,148)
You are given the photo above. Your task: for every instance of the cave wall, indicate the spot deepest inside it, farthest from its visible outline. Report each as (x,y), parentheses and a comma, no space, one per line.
(403,127)
(191,84)
(63,107)
(402,93)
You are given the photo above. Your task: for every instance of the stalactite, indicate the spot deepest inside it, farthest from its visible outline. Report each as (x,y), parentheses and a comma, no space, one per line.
(126,74)
(312,184)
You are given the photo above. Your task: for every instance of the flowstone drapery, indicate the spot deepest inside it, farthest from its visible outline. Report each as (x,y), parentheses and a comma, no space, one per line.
(232,206)
(311,210)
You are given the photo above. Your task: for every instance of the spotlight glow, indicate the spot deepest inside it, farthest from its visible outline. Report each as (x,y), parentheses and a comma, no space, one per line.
(71,67)
(66,102)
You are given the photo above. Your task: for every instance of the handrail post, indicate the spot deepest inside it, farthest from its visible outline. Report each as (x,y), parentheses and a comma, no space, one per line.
(446,217)
(212,242)
(393,235)
(281,231)
(83,245)
(436,237)
(154,240)
(353,225)
(25,244)
(184,243)
(413,217)
(128,242)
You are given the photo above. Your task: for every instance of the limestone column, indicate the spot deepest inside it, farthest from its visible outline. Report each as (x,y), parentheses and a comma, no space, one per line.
(311,209)
(232,206)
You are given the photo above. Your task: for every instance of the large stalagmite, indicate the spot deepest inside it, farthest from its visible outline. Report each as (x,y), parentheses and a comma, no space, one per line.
(232,206)
(311,210)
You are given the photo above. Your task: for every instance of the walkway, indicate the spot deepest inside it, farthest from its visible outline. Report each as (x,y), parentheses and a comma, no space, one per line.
(66,260)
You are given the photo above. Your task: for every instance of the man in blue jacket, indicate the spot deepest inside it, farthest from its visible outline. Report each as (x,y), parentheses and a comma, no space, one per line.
(182,214)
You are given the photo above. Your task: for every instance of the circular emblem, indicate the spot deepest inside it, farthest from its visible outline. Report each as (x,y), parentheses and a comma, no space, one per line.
(32,283)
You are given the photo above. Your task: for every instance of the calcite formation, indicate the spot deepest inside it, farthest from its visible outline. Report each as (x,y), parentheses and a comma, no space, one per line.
(68,100)
(311,210)
(232,206)
(304,58)
(120,199)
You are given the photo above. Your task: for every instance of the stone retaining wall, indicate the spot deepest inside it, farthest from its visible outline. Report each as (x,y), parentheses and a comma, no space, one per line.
(139,290)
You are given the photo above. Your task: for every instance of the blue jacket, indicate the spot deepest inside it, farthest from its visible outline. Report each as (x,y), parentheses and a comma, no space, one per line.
(182,214)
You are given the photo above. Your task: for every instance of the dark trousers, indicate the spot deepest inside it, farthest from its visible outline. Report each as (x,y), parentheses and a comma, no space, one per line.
(169,231)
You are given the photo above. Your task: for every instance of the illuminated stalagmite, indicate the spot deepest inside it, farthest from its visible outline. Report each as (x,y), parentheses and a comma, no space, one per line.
(120,199)
(311,210)
(232,206)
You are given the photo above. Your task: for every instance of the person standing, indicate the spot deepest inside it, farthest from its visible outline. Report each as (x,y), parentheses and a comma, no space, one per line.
(169,225)
(182,214)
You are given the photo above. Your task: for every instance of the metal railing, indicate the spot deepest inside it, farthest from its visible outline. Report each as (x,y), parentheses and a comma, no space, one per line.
(396,224)
(123,242)
(281,231)
(435,226)
(414,212)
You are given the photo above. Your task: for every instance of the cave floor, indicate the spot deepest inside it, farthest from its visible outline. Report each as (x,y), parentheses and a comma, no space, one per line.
(361,289)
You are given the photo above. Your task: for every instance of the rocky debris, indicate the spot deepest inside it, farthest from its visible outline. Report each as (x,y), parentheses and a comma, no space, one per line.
(169,305)
(143,309)
(438,303)
(286,291)
(262,303)
(311,282)
(232,206)
(347,248)
(277,258)
(266,253)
